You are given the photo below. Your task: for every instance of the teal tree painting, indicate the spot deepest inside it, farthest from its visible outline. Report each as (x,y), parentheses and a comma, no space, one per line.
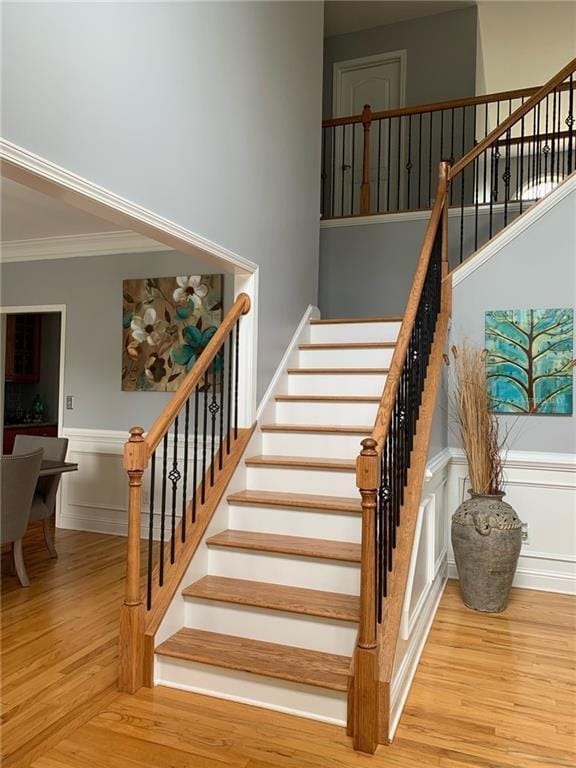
(530,360)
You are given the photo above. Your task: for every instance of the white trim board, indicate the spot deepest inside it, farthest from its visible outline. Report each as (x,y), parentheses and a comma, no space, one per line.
(509,233)
(420,215)
(73,246)
(27,168)
(555,462)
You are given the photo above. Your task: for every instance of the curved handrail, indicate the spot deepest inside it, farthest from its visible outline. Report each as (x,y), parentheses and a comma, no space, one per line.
(164,421)
(382,421)
(517,115)
(469,101)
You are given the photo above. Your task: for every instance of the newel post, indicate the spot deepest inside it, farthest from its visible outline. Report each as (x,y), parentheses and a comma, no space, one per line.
(365,188)
(132,613)
(365,706)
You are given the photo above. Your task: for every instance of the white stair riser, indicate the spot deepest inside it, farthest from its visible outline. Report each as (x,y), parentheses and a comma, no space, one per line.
(307,572)
(346,358)
(272,626)
(325,413)
(341,333)
(319,481)
(296,522)
(319,445)
(303,700)
(355,384)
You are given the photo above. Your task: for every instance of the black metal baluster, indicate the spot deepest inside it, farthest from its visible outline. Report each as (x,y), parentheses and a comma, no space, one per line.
(174,477)
(506,176)
(343,170)
(379,166)
(520,182)
(229,394)
(213,408)
(163,508)
(323,173)
(558,132)
(451,159)
(475,185)
(430,143)
(484,155)
(204,436)
(236,370)
(419,202)
(151,531)
(546,147)
(388,168)
(463,148)
(195,453)
(399,160)
(570,123)
(462,216)
(221,412)
(185,481)
(332,208)
(409,162)
(353,168)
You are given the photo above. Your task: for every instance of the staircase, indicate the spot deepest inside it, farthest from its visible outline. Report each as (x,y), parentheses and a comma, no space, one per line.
(280,599)
(279,555)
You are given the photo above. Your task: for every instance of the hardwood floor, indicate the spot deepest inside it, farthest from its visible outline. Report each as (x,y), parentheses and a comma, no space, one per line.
(490,692)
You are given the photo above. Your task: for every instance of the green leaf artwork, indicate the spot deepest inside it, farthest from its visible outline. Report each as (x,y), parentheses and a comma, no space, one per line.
(530,360)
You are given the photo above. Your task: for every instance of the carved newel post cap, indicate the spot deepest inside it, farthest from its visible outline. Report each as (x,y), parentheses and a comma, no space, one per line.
(136,434)
(369,447)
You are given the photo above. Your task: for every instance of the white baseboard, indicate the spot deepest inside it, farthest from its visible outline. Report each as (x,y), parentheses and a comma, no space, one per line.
(533,578)
(276,384)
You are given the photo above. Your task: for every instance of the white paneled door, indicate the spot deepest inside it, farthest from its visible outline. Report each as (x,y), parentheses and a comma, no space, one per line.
(380,82)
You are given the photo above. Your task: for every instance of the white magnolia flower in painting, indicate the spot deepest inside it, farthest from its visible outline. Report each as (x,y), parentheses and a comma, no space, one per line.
(148,328)
(190,289)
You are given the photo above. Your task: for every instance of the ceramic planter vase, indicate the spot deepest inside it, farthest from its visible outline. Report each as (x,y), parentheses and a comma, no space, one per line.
(486,538)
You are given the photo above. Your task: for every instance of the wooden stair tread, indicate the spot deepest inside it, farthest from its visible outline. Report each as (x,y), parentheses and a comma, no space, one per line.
(287,545)
(335,371)
(321,428)
(350,345)
(301,462)
(297,500)
(327,399)
(339,320)
(312,602)
(298,665)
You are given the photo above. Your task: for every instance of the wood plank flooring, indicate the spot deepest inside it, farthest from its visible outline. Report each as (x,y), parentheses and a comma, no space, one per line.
(491,691)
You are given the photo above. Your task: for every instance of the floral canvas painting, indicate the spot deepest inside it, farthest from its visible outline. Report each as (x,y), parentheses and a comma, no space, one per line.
(166,324)
(530,360)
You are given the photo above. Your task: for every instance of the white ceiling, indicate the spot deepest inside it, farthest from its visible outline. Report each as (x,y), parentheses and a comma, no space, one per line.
(342,16)
(28,214)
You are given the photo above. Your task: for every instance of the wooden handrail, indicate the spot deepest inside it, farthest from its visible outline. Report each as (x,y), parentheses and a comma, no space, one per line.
(240,307)
(510,121)
(382,422)
(437,106)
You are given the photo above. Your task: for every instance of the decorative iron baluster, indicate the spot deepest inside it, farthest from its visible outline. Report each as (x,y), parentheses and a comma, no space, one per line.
(204,436)
(236,369)
(379,165)
(195,467)
(185,481)
(388,168)
(409,161)
(506,176)
(174,477)
(163,508)
(151,531)
(570,123)
(213,408)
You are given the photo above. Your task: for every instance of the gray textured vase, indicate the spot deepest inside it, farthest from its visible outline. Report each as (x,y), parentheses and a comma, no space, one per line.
(486,538)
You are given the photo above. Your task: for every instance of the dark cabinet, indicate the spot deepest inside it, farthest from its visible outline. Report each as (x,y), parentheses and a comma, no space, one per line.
(44,430)
(23,349)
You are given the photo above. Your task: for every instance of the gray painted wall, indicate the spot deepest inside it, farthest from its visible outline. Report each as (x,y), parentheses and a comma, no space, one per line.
(536,270)
(383,255)
(91,289)
(205,113)
(441,55)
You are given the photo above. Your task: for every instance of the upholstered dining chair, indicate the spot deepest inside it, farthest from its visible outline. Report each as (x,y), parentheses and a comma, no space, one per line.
(18,478)
(44,502)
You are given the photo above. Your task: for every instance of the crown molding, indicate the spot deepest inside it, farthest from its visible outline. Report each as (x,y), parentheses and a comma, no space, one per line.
(27,168)
(74,246)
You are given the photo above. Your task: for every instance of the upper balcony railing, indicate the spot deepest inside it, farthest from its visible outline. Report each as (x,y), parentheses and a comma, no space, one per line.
(383,162)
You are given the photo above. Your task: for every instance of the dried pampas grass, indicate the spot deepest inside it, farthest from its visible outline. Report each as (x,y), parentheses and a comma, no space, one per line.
(478,426)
